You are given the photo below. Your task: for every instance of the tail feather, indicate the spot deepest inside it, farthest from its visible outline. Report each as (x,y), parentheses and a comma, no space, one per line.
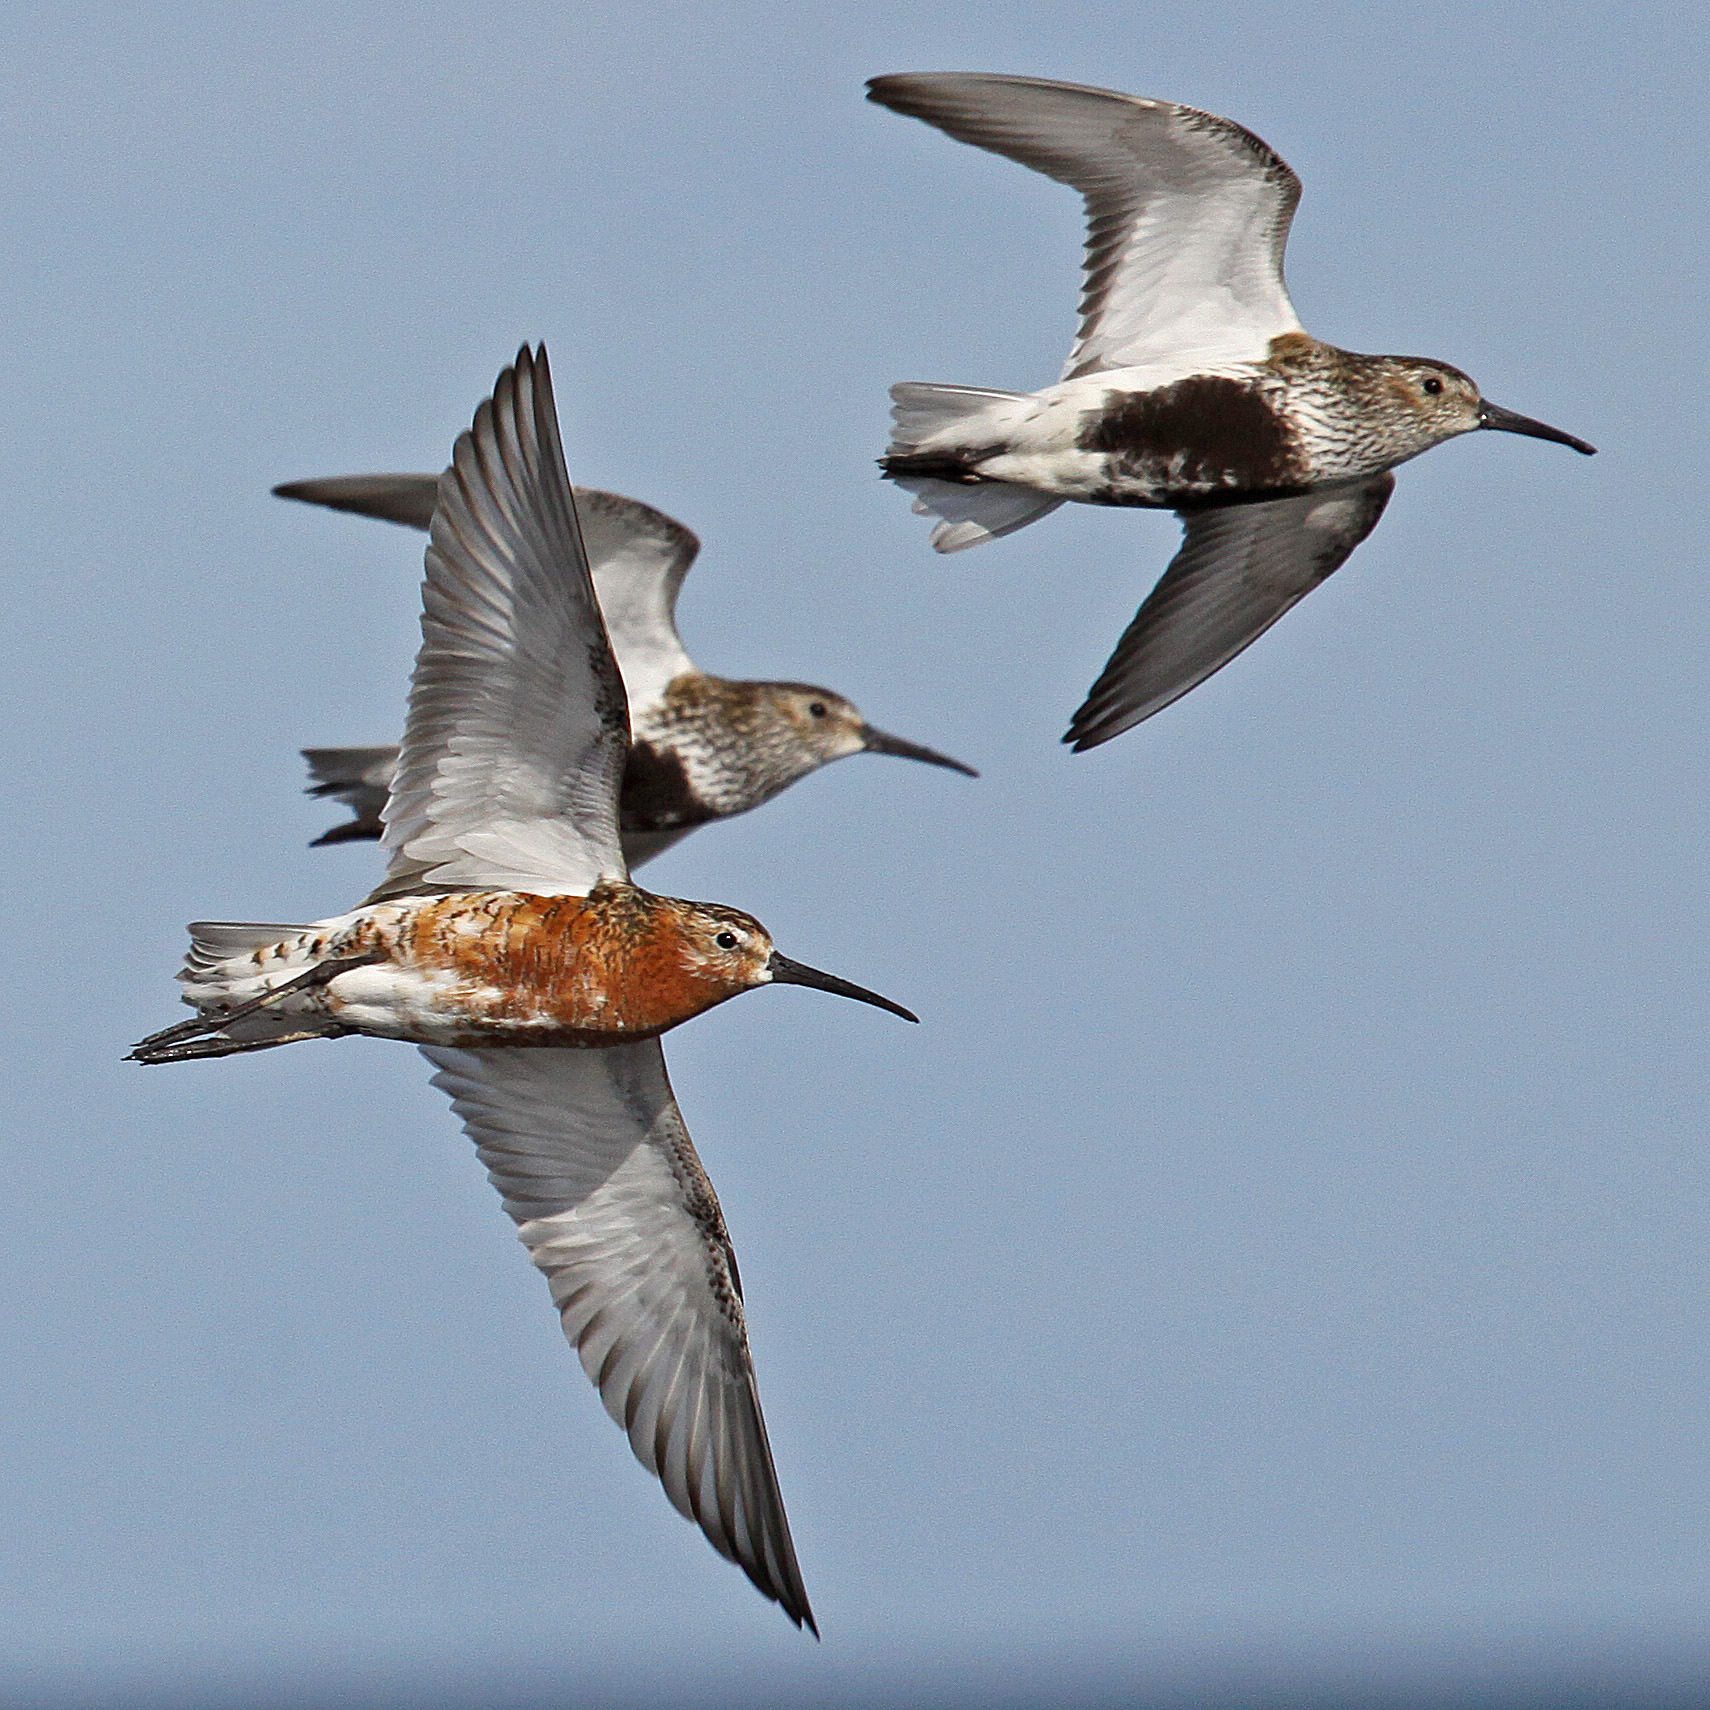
(335,769)
(975,514)
(938,436)
(238,976)
(921,410)
(216,941)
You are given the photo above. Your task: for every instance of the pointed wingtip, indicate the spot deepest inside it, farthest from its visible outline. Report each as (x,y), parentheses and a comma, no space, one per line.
(1082,736)
(532,363)
(351,831)
(1084,744)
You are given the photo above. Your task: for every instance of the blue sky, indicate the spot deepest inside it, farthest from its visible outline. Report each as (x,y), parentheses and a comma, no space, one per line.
(1285,1234)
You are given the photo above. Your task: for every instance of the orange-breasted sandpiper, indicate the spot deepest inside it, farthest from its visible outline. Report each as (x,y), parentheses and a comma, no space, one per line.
(507,941)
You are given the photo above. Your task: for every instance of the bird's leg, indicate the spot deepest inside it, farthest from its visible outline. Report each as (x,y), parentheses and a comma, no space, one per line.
(217,1047)
(319,975)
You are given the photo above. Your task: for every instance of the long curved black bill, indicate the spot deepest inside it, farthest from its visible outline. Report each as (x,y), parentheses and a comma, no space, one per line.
(1506,421)
(882,742)
(784,972)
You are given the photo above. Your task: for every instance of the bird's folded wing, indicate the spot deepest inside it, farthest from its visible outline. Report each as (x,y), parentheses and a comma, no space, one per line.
(518,727)
(1187,213)
(1239,569)
(638,555)
(594,1163)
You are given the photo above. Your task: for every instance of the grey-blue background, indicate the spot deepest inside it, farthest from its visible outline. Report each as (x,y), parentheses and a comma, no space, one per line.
(1280,1254)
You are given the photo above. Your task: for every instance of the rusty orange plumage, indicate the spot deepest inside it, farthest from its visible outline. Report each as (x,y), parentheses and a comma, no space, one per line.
(616,965)
(475,968)
(507,919)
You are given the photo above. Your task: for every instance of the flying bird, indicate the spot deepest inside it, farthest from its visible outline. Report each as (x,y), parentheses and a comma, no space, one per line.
(1191,386)
(508,942)
(702,747)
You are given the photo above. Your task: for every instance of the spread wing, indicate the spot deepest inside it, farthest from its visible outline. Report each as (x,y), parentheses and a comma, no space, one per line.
(1239,569)
(1187,214)
(518,729)
(590,1153)
(638,555)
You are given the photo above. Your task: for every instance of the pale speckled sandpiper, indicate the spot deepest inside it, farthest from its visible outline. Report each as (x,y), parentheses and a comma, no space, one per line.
(1191,385)
(508,942)
(703,747)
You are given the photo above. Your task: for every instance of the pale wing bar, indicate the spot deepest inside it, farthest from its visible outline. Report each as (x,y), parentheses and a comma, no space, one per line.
(518,726)
(1187,213)
(589,1150)
(1239,569)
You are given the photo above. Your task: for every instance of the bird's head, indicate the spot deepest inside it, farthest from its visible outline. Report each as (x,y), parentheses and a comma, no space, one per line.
(1426,402)
(727,951)
(828,727)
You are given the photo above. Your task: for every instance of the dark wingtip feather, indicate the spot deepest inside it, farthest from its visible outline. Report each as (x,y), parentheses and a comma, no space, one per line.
(1082,737)
(1112,706)
(407,500)
(352,831)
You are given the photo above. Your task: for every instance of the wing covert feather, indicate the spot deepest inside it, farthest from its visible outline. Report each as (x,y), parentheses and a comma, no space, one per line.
(590,1154)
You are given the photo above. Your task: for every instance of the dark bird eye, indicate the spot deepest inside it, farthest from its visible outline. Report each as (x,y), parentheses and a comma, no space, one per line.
(726,941)
(1432,387)
(817,708)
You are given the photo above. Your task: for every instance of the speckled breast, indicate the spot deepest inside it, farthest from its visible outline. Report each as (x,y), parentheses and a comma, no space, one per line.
(707,748)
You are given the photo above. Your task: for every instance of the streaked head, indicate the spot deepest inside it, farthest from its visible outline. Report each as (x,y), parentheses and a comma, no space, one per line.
(831,728)
(1430,402)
